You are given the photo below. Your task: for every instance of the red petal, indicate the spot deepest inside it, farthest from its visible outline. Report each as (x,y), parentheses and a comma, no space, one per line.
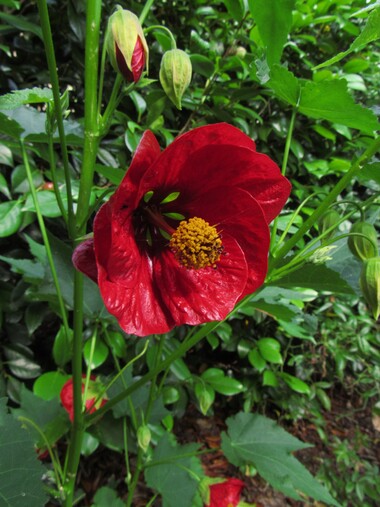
(235,212)
(226,493)
(138,60)
(208,157)
(84,259)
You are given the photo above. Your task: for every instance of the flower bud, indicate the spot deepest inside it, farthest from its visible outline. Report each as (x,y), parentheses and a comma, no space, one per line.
(370,284)
(144,437)
(126,45)
(175,74)
(93,400)
(361,247)
(328,220)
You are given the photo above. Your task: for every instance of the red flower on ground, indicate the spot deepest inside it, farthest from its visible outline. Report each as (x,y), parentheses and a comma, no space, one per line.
(155,273)
(67,396)
(226,494)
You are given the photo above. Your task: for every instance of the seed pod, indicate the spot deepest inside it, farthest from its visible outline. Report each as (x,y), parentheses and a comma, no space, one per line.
(370,284)
(328,220)
(126,45)
(175,75)
(144,437)
(360,247)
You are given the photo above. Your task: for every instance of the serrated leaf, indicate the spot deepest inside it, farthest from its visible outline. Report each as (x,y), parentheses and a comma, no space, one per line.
(284,84)
(20,471)
(370,33)
(274,20)
(19,98)
(174,465)
(331,101)
(29,269)
(252,439)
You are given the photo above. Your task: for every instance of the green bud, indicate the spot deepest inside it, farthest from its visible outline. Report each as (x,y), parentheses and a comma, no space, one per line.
(361,247)
(144,437)
(370,284)
(328,220)
(126,45)
(175,74)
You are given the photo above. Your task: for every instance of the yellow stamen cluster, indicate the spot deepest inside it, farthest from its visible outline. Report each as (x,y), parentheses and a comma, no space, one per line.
(196,244)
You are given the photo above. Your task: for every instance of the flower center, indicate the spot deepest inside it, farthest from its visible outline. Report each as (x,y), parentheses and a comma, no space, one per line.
(196,244)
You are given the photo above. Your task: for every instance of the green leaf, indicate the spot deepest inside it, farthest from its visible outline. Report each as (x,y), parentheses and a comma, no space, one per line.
(283,312)
(270,350)
(21,362)
(49,385)
(20,470)
(10,218)
(317,277)
(19,98)
(62,347)
(170,198)
(370,172)
(295,383)
(113,174)
(202,65)
(21,23)
(270,379)
(274,20)
(255,440)
(6,156)
(106,496)
(30,270)
(284,84)
(235,9)
(370,33)
(331,100)
(174,472)
(100,353)
(256,359)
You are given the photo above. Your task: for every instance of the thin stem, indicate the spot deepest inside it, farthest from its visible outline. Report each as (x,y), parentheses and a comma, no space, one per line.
(179,352)
(163,29)
(146,10)
(45,239)
(330,198)
(283,169)
(52,65)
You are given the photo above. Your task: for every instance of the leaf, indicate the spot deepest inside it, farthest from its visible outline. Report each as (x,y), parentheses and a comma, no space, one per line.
(370,172)
(331,100)
(29,269)
(18,98)
(10,218)
(235,9)
(253,439)
(49,385)
(106,496)
(173,465)
(21,23)
(370,33)
(317,277)
(284,84)
(274,20)
(295,383)
(256,359)
(21,362)
(270,350)
(99,355)
(202,65)
(20,470)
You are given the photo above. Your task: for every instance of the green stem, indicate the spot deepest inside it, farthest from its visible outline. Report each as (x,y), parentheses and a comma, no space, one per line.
(179,352)
(52,65)
(163,29)
(283,169)
(146,10)
(45,239)
(91,118)
(330,198)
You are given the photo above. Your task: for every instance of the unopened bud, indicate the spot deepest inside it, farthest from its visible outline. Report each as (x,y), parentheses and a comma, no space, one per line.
(361,247)
(144,437)
(370,284)
(126,45)
(175,74)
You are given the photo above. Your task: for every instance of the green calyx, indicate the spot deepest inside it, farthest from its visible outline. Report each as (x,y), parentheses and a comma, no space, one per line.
(363,247)
(175,75)
(370,284)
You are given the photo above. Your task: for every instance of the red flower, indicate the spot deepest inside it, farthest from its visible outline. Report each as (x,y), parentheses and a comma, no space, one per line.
(153,274)
(67,396)
(137,62)
(226,494)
